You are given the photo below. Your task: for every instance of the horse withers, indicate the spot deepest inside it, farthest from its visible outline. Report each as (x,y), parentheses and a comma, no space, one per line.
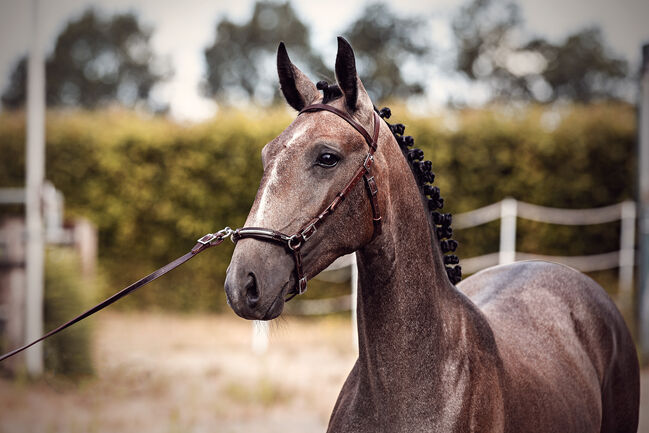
(522,348)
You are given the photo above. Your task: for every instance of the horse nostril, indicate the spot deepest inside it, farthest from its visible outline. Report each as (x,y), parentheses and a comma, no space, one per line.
(252,291)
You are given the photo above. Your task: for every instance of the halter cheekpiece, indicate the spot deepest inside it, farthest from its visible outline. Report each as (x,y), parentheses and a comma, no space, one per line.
(294,243)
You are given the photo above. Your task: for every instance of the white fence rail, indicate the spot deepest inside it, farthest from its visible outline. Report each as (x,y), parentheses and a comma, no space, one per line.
(52,205)
(508,211)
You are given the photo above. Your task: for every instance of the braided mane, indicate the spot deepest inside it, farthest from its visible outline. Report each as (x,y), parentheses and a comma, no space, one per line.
(422,170)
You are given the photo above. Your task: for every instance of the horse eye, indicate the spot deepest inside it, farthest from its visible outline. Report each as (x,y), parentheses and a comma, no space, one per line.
(327,160)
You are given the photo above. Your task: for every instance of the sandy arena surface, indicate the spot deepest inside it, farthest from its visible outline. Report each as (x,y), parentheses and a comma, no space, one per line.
(170,373)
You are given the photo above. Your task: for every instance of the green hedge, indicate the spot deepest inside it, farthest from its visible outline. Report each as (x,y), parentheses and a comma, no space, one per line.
(152,186)
(66,295)
(575,157)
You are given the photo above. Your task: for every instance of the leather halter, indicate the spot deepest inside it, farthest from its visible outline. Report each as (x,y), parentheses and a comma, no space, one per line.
(295,242)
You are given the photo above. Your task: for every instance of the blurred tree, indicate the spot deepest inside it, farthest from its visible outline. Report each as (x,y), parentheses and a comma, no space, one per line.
(95,61)
(486,32)
(581,68)
(239,60)
(385,45)
(14,95)
(491,50)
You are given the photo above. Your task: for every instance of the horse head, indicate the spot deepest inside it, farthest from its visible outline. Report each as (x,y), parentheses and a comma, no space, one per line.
(305,169)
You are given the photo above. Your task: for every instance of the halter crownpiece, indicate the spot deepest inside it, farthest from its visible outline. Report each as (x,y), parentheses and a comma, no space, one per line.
(295,242)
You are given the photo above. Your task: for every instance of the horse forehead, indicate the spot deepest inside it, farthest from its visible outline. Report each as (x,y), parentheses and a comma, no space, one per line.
(303,130)
(299,131)
(300,128)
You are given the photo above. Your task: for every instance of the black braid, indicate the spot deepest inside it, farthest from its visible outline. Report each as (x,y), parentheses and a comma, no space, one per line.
(329,93)
(424,175)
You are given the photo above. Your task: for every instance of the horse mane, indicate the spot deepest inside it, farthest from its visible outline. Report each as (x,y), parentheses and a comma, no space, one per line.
(423,172)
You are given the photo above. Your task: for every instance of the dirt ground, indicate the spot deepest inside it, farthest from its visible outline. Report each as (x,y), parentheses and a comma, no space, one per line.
(169,373)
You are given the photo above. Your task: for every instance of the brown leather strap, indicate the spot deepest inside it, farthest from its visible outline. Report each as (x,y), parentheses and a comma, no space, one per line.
(207,241)
(373,190)
(324,107)
(260,233)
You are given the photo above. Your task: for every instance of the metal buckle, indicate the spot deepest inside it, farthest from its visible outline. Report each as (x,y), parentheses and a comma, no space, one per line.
(309,231)
(301,285)
(371,184)
(208,238)
(369,159)
(211,237)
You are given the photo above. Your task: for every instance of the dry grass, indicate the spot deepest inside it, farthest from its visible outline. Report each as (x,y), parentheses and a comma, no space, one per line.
(168,373)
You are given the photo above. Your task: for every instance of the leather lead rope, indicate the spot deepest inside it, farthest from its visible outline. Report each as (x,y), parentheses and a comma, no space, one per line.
(207,241)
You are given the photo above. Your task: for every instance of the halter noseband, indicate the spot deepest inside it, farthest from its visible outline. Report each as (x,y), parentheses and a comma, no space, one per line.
(294,243)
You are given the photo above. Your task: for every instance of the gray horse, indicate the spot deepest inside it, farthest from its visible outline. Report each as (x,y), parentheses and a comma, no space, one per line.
(527,347)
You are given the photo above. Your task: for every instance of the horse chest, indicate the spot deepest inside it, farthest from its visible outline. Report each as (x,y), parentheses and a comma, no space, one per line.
(457,405)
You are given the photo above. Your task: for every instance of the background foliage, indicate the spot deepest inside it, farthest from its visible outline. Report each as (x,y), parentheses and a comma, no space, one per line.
(68,353)
(152,187)
(96,61)
(241,56)
(100,60)
(383,43)
(492,49)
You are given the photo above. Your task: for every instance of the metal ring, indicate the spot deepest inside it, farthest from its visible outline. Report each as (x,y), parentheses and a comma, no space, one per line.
(291,239)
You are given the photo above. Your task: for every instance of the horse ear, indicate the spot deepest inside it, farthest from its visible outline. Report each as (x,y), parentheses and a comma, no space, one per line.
(298,90)
(346,73)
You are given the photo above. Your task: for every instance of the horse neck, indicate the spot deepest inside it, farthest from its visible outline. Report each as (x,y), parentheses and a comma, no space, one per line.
(410,317)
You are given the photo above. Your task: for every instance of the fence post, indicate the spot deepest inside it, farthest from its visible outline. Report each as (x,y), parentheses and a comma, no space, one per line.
(35,171)
(627,247)
(508,211)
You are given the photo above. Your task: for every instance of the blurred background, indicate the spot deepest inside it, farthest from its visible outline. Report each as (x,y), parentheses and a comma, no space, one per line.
(155,115)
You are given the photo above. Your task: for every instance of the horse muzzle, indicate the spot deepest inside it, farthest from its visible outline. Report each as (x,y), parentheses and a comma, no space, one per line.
(257,279)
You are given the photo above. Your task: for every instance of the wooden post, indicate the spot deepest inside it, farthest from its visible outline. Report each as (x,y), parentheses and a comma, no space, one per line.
(508,211)
(35,170)
(643,204)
